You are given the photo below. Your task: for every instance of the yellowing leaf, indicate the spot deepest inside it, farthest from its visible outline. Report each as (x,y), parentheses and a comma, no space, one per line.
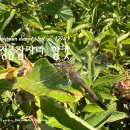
(7,70)
(12,74)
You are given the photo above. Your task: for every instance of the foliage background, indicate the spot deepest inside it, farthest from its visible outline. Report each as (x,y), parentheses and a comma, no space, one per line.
(96,35)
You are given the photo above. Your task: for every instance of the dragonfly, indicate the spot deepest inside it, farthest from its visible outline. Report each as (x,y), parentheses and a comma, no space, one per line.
(22,97)
(48,78)
(67,68)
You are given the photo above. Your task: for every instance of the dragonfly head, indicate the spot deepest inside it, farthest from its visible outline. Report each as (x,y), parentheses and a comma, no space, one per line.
(66,66)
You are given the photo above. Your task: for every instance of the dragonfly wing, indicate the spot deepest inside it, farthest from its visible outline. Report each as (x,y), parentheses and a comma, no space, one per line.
(46,80)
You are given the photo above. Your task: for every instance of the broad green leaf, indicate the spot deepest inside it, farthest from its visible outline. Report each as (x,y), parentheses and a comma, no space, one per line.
(45,79)
(108,96)
(64,116)
(92,108)
(105,92)
(65,13)
(30,20)
(53,122)
(52,8)
(52,48)
(117,115)
(108,79)
(101,117)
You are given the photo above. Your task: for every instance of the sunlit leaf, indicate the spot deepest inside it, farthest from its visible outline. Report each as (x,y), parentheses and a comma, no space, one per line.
(108,79)
(122,37)
(92,108)
(32,21)
(44,79)
(101,117)
(70,120)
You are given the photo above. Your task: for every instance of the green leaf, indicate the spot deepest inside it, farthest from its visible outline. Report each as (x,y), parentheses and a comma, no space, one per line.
(81,26)
(5,85)
(98,70)
(92,108)
(8,19)
(107,118)
(91,68)
(15,34)
(2,75)
(65,13)
(117,116)
(99,119)
(88,35)
(12,56)
(126,41)
(1,18)
(1,68)
(45,79)
(30,20)
(122,37)
(108,79)
(52,8)
(52,48)
(69,24)
(74,51)
(105,92)
(53,122)
(53,109)
(94,15)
